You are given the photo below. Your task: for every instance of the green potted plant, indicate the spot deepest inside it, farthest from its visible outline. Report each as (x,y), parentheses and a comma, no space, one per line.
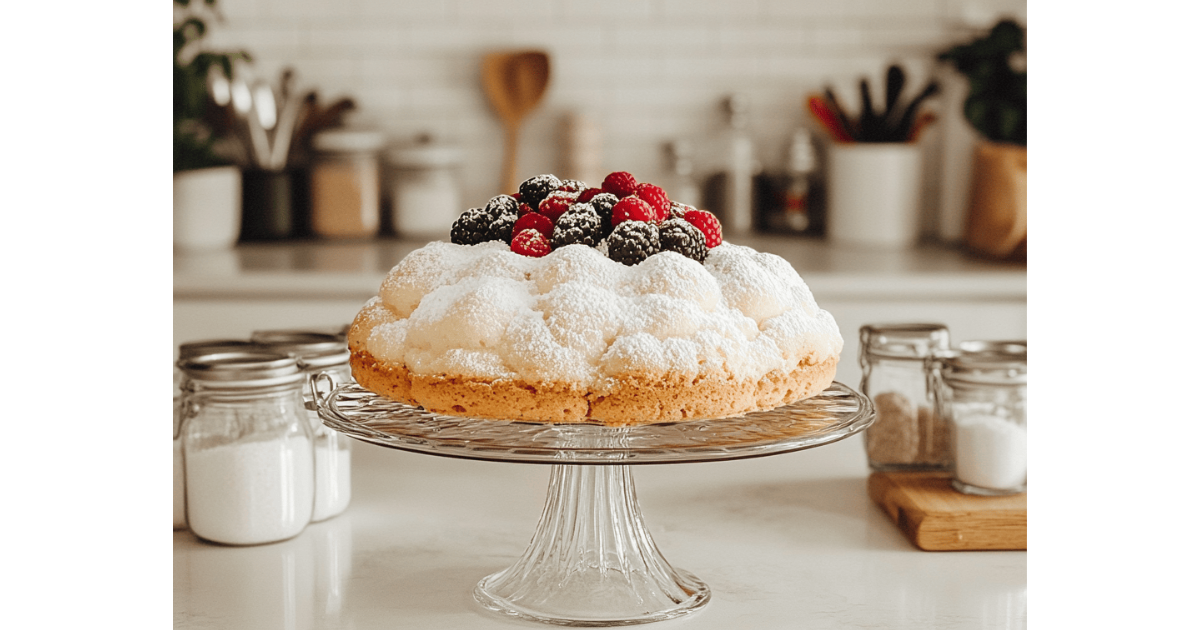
(207,185)
(996,107)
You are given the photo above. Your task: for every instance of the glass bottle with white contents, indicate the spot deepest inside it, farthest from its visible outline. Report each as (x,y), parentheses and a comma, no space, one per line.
(908,433)
(328,354)
(981,391)
(247,448)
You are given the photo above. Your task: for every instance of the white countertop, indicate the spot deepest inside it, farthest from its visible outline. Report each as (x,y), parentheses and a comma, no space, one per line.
(354,269)
(785,541)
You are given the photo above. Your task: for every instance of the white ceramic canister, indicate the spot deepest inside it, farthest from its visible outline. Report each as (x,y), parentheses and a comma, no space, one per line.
(207,208)
(425,194)
(874,194)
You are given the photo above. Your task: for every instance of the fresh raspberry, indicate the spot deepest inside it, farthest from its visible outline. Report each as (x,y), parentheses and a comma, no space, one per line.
(524,209)
(556,203)
(657,198)
(619,183)
(587,194)
(531,242)
(534,221)
(632,209)
(707,223)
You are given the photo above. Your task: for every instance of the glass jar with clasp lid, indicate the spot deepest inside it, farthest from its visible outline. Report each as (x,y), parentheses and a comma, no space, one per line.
(981,392)
(319,353)
(907,433)
(186,351)
(247,447)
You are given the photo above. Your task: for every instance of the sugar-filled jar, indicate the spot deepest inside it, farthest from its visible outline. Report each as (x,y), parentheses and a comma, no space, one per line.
(908,433)
(186,351)
(345,183)
(320,353)
(247,448)
(981,391)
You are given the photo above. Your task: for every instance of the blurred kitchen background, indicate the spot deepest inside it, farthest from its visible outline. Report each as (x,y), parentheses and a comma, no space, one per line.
(629,82)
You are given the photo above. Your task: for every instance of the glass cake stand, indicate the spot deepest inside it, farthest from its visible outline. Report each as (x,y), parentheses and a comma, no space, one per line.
(592,561)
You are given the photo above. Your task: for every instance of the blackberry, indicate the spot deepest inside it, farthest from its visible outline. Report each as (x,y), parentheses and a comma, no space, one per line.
(631,242)
(579,224)
(603,204)
(502,204)
(501,227)
(493,222)
(677,235)
(472,227)
(536,188)
(573,185)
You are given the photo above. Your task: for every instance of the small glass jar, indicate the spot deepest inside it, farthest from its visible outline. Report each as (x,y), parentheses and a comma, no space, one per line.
(907,434)
(186,351)
(320,353)
(981,391)
(247,448)
(345,183)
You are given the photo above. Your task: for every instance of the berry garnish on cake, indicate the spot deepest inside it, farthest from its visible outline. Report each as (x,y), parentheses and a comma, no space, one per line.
(569,212)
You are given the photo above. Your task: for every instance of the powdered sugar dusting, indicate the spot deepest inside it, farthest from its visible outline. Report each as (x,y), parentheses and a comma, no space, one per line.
(576,316)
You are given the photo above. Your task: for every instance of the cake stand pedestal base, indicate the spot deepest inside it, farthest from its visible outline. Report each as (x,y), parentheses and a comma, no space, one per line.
(591,561)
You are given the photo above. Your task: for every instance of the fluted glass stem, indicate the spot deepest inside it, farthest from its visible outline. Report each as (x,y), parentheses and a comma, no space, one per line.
(591,561)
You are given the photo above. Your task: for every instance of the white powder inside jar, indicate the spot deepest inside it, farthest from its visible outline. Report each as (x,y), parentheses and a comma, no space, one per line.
(989,452)
(332,479)
(248,493)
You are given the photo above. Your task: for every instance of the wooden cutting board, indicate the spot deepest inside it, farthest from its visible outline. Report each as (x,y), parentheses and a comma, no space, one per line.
(936,517)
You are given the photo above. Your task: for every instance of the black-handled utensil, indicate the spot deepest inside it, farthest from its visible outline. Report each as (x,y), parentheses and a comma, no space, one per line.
(895,85)
(867,121)
(903,127)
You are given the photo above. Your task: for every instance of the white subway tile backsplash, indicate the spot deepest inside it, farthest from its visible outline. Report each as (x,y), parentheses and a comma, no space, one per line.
(646,71)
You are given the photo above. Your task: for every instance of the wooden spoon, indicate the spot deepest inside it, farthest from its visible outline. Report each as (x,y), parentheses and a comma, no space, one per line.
(515,83)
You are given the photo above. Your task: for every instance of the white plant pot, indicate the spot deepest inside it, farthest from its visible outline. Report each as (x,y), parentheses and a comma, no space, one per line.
(874,194)
(208,208)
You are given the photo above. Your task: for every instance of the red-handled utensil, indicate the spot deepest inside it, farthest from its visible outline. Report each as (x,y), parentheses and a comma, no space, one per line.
(824,115)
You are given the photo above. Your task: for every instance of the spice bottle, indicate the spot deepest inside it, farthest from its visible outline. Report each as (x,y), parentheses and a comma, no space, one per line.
(908,433)
(783,203)
(345,188)
(981,392)
(319,353)
(247,448)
